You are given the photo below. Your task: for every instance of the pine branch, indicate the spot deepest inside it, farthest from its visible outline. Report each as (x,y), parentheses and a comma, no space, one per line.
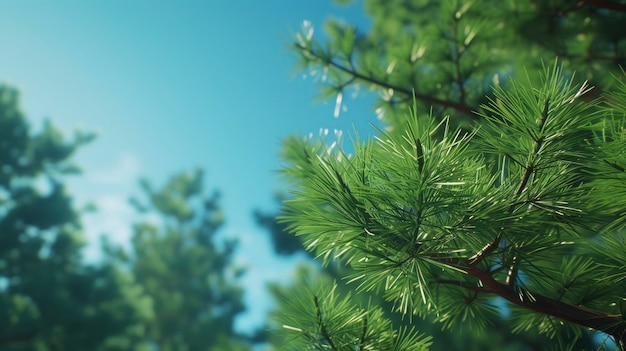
(608,323)
(611,324)
(529,170)
(460,107)
(485,251)
(323,329)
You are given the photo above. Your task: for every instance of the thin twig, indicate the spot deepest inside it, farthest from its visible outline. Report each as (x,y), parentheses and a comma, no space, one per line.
(528,172)
(460,107)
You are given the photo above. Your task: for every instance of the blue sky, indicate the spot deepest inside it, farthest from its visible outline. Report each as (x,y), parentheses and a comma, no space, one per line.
(169,86)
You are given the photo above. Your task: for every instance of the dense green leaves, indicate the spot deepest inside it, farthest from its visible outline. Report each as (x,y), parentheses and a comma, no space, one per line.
(443,221)
(520,220)
(319,318)
(190,278)
(449,54)
(175,291)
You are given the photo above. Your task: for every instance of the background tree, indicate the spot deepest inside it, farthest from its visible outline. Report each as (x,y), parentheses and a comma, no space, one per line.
(176,290)
(49,298)
(189,276)
(283,243)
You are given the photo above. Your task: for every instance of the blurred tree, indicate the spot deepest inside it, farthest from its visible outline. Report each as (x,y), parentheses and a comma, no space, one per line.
(283,243)
(190,278)
(50,299)
(454,56)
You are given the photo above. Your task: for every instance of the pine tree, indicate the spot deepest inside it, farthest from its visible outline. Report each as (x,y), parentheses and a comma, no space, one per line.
(506,200)
(528,210)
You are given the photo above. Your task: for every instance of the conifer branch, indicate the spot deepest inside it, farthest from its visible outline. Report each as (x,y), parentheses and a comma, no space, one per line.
(485,251)
(323,329)
(459,107)
(615,165)
(529,170)
(611,324)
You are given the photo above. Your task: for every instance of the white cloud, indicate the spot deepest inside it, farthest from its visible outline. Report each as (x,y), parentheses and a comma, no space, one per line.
(125,171)
(112,219)
(109,189)
(255,252)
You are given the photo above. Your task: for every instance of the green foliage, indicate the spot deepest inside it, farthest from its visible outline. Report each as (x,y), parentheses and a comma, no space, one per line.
(502,209)
(452,224)
(284,244)
(449,54)
(496,337)
(188,276)
(176,290)
(49,299)
(320,319)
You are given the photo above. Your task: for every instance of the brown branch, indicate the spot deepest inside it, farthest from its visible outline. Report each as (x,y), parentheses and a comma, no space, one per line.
(608,323)
(606,4)
(611,324)
(485,251)
(460,107)
(465,285)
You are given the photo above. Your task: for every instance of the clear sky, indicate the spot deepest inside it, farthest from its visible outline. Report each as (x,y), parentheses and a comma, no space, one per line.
(170,86)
